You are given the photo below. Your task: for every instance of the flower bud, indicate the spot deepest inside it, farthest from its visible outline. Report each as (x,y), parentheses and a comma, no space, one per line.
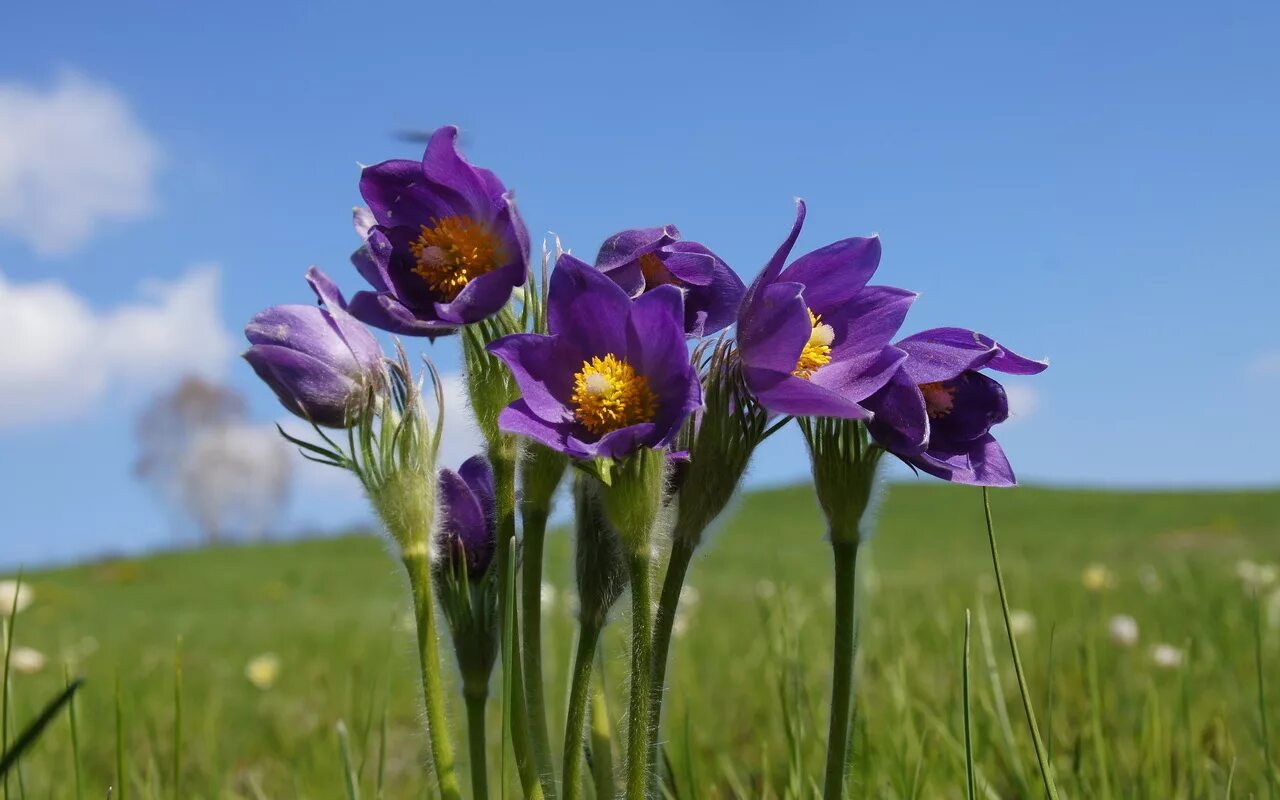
(319,360)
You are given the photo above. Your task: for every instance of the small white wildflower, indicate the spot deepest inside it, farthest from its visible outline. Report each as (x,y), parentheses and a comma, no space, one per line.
(548,597)
(262,671)
(1021,622)
(26,661)
(765,589)
(1096,578)
(11,592)
(1166,656)
(1255,577)
(1123,629)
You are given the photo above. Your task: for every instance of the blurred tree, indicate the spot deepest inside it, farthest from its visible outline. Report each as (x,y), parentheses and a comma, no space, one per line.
(209,465)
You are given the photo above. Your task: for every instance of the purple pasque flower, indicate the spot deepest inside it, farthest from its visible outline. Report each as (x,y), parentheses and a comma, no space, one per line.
(446,247)
(642,259)
(936,413)
(468,516)
(612,377)
(319,360)
(814,337)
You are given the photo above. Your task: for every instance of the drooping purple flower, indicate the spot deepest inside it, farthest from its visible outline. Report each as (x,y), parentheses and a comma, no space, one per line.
(612,377)
(643,259)
(468,516)
(814,337)
(319,360)
(937,411)
(446,247)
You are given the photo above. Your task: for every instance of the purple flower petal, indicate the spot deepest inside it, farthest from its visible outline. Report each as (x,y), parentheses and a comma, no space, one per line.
(362,343)
(544,376)
(627,246)
(773,331)
(587,308)
(306,386)
(783,393)
(860,377)
(484,296)
(832,275)
(901,421)
(385,312)
(519,419)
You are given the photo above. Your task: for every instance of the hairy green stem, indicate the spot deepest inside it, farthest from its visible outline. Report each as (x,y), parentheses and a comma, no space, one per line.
(535,530)
(846,560)
(601,733)
(641,670)
(476,700)
(682,550)
(419,571)
(576,719)
(502,456)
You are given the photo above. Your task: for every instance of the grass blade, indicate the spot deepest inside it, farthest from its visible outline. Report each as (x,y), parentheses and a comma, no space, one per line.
(1046,770)
(121,792)
(26,738)
(177,720)
(348,772)
(75,733)
(1270,777)
(971,790)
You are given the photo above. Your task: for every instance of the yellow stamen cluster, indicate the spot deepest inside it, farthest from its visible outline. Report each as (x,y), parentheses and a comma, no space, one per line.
(608,394)
(655,272)
(817,351)
(452,252)
(938,398)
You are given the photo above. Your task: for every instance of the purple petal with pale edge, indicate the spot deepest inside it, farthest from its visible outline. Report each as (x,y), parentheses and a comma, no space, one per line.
(868,322)
(940,354)
(587,308)
(773,331)
(385,312)
(305,329)
(484,295)
(305,385)
(542,370)
(690,262)
(398,193)
(832,275)
(627,246)
(901,421)
(369,268)
(859,378)
(1011,363)
(362,343)
(518,419)
(984,464)
(783,393)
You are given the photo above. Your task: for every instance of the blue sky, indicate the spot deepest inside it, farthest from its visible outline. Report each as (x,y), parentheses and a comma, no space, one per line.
(1097,183)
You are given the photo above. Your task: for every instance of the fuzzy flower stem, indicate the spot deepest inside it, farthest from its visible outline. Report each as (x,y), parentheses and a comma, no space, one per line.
(682,550)
(846,558)
(641,672)
(535,529)
(476,701)
(419,571)
(575,721)
(503,455)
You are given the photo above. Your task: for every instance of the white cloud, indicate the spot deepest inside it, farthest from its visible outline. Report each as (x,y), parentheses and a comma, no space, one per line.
(1024,399)
(61,355)
(1265,365)
(71,157)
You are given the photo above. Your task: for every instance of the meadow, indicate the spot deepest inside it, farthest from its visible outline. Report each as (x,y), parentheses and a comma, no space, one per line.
(746,708)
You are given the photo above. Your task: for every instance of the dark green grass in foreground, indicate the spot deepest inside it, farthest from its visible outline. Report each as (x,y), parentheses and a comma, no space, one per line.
(746,713)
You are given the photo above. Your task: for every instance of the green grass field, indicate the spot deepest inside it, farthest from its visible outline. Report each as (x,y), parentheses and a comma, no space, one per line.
(746,712)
